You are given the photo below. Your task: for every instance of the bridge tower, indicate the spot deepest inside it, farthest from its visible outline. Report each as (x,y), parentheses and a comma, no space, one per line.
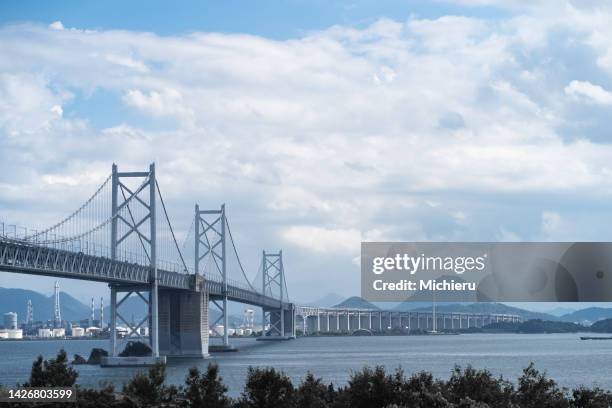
(133,219)
(210,235)
(277,320)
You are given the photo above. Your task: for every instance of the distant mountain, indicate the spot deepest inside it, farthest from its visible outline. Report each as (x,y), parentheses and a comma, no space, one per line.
(483,307)
(15,300)
(544,326)
(588,315)
(602,326)
(560,311)
(234,320)
(356,302)
(133,307)
(414,305)
(326,301)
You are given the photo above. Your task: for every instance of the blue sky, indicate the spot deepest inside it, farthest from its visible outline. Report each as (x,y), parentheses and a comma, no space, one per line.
(320,123)
(272,19)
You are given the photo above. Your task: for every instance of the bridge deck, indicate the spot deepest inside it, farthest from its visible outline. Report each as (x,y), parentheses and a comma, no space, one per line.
(23,257)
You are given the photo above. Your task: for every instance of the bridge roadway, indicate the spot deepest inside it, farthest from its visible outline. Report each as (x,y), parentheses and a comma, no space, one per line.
(311,319)
(23,257)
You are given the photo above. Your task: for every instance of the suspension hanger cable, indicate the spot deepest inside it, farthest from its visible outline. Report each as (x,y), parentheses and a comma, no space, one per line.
(236,252)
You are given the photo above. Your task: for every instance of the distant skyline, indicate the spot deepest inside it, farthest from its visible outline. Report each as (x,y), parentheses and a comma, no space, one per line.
(320,124)
(330,299)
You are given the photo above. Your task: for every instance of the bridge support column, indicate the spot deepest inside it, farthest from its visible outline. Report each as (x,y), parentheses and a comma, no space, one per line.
(113,322)
(183,323)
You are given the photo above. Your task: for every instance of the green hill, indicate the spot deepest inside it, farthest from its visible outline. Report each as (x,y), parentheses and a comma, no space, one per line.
(483,307)
(535,326)
(602,326)
(15,300)
(590,314)
(357,302)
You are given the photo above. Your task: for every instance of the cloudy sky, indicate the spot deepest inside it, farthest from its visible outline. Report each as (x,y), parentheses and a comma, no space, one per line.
(319,123)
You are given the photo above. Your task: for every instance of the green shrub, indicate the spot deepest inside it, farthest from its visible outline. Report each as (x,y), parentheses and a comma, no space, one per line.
(145,390)
(371,388)
(267,388)
(535,390)
(205,389)
(52,373)
(312,393)
(478,385)
(591,398)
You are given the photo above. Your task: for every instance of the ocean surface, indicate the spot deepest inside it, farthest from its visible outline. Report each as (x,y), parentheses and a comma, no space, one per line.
(567,359)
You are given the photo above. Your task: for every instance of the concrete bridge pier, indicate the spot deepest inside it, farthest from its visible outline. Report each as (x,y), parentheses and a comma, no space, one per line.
(376,322)
(183,323)
(354,319)
(310,324)
(345,321)
(396,321)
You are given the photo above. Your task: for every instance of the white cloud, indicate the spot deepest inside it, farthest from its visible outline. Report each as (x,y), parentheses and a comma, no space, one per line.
(165,102)
(338,241)
(588,91)
(56,25)
(57,109)
(127,62)
(326,240)
(329,139)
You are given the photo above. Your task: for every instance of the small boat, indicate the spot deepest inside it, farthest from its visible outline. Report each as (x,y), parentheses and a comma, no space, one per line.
(595,338)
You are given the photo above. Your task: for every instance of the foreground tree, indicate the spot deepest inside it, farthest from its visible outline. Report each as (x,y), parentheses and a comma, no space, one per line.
(312,393)
(205,389)
(52,373)
(478,385)
(535,390)
(371,388)
(100,398)
(149,390)
(591,398)
(421,390)
(267,388)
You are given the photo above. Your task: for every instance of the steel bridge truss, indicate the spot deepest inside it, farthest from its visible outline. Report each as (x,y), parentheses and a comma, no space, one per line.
(273,275)
(133,329)
(210,236)
(125,203)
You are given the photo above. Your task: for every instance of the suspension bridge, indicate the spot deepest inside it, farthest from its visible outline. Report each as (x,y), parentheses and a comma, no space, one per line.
(122,235)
